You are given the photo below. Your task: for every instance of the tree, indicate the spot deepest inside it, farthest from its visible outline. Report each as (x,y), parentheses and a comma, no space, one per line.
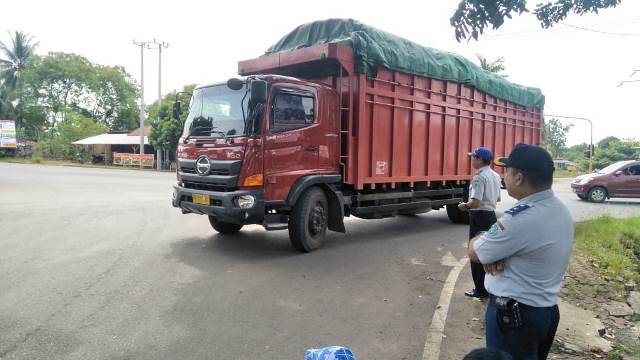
(472,17)
(17,55)
(606,152)
(166,131)
(608,142)
(495,66)
(7,110)
(16,60)
(555,137)
(57,143)
(61,82)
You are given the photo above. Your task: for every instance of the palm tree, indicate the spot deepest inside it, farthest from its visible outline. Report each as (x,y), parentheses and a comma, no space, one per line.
(17,56)
(12,67)
(495,66)
(4,101)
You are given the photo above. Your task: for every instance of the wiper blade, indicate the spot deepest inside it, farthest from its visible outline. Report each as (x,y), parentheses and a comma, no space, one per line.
(202,128)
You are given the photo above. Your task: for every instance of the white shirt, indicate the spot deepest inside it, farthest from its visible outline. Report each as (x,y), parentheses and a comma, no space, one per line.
(534,240)
(485,186)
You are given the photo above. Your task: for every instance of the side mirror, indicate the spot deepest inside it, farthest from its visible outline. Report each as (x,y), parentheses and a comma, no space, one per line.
(618,173)
(258,92)
(235,84)
(177,111)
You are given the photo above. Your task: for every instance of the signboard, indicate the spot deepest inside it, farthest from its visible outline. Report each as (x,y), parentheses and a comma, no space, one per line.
(127,159)
(8,134)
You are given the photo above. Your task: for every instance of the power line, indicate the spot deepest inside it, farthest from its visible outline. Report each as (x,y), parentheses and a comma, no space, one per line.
(627,81)
(528,33)
(598,31)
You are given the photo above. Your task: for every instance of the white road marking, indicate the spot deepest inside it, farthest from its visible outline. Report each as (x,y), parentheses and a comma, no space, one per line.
(436,330)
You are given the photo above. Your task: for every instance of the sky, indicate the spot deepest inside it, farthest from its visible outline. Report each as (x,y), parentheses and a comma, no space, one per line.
(577,70)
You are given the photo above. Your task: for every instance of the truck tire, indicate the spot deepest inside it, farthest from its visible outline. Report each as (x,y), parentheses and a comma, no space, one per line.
(224,227)
(456,215)
(308,220)
(597,194)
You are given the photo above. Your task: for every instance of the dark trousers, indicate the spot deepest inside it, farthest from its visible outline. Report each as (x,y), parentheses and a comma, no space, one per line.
(479,220)
(532,341)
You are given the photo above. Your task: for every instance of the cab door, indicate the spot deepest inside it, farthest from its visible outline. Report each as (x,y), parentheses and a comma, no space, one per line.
(292,141)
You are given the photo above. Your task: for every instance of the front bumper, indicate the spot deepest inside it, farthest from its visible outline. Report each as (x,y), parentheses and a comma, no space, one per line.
(222,205)
(579,189)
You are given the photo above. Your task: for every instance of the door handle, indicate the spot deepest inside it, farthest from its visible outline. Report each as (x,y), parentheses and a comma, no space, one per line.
(311,148)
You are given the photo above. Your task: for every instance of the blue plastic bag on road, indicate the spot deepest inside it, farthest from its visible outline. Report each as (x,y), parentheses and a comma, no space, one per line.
(330,353)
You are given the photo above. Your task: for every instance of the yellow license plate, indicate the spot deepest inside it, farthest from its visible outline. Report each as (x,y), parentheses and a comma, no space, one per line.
(201,199)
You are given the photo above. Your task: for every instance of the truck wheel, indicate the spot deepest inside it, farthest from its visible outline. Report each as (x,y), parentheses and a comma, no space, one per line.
(456,216)
(224,227)
(597,194)
(308,220)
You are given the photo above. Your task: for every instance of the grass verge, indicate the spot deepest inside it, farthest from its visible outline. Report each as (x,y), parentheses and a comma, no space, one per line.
(612,244)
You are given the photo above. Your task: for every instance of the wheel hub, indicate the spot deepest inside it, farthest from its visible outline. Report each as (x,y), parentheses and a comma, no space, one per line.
(317,219)
(598,194)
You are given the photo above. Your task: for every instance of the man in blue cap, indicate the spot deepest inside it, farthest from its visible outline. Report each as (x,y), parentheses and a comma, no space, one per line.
(484,194)
(525,254)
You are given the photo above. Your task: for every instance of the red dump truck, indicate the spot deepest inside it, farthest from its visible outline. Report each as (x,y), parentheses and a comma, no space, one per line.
(340,119)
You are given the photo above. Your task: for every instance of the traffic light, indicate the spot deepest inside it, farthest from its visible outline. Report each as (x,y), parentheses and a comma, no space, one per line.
(588,153)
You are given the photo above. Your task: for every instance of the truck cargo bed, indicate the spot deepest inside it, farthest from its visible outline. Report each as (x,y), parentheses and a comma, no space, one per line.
(404,128)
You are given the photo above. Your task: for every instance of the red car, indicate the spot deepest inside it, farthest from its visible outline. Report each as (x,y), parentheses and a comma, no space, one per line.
(618,180)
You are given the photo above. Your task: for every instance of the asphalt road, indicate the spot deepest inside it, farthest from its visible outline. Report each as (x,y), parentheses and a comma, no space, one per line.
(96,264)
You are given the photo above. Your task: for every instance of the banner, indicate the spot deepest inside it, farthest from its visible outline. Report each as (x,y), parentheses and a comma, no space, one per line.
(8,134)
(128,159)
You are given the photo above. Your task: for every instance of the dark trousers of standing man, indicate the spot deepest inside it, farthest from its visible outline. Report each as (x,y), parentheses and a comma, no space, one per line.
(532,341)
(479,220)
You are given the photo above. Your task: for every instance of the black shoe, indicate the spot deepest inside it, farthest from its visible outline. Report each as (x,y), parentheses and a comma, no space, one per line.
(475,294)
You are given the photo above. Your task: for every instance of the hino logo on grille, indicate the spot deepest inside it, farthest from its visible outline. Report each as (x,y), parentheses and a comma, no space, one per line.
(203,165)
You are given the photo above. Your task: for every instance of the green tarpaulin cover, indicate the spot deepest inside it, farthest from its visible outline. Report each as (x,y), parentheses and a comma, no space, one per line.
(374,47)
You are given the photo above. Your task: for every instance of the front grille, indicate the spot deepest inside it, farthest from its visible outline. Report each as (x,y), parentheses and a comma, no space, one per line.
(188,170)
(206,186)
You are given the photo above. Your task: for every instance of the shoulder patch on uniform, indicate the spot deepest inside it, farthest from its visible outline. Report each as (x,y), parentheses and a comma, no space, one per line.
(517,209)
(495,229)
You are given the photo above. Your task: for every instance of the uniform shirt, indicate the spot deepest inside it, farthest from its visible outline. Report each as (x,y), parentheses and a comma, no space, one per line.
(485,187)
(534,240)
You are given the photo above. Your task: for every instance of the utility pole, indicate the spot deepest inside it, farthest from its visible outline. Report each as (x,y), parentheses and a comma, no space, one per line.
(142,45)
(160,46)
(590,142)
(149,45)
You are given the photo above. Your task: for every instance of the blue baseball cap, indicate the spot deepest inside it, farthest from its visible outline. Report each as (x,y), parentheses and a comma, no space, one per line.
(482,153)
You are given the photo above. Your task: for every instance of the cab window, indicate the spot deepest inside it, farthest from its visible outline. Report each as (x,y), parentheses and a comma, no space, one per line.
(632,170)
(290,111)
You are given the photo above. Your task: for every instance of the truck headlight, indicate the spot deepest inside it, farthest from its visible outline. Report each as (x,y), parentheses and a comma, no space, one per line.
(245,201)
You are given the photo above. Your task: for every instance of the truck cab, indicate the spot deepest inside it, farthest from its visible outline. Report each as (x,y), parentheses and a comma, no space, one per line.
(251,147)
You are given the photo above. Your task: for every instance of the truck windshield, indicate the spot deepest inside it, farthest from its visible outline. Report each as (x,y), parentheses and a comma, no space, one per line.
(216,111)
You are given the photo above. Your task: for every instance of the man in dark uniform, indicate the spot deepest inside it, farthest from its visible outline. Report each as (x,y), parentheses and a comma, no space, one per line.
(484,194)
